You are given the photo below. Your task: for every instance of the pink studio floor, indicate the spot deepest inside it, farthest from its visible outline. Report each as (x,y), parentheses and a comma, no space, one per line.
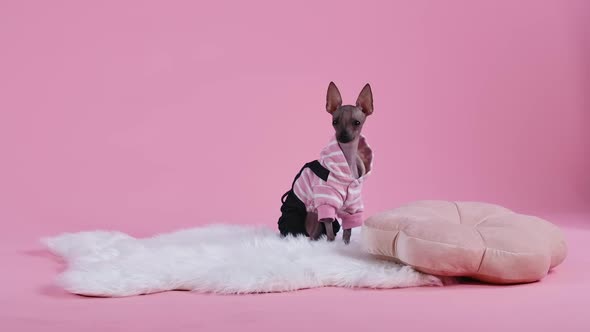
(560,302)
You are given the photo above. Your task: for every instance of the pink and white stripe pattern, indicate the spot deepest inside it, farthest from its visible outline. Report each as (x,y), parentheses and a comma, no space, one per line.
(339,196)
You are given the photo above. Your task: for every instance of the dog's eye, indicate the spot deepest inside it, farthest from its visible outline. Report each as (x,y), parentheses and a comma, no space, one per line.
(357,123)
(334,122)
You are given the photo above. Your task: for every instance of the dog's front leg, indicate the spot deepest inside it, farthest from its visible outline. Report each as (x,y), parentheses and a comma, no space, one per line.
(328,224)
(315,229)
(312,226)
(346,235)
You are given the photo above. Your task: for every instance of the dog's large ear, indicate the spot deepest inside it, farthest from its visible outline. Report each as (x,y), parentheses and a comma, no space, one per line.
(333,100)
(365,100)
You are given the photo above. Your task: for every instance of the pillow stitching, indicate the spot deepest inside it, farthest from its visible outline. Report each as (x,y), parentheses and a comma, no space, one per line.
(394,243)
(484,219)
(458,213)
(437,242)
(485,250)
(455,246)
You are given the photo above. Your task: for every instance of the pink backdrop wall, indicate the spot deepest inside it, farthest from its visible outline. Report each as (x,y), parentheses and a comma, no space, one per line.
(149,116)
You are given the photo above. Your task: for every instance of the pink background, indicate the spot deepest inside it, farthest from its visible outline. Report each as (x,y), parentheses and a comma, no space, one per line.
(149,116)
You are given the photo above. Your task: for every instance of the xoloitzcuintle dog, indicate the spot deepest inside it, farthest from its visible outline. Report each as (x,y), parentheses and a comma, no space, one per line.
(334,190)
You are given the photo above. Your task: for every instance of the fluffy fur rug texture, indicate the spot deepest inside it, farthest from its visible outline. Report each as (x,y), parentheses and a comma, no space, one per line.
(219,259)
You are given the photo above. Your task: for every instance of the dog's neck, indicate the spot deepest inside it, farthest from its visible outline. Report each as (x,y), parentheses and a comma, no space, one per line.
(350,151)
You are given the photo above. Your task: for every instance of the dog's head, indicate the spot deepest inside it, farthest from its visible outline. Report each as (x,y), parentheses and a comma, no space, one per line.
(348,120)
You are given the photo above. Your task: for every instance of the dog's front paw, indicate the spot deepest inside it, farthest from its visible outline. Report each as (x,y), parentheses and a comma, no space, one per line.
(346,235)
(328,225)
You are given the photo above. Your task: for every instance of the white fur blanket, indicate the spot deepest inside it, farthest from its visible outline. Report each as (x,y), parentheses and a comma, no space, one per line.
(219,259)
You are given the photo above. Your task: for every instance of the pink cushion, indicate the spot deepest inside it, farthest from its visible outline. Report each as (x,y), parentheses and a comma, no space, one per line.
(478,240)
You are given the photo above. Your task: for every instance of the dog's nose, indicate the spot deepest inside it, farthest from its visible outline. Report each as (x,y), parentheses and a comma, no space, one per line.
(344,137)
